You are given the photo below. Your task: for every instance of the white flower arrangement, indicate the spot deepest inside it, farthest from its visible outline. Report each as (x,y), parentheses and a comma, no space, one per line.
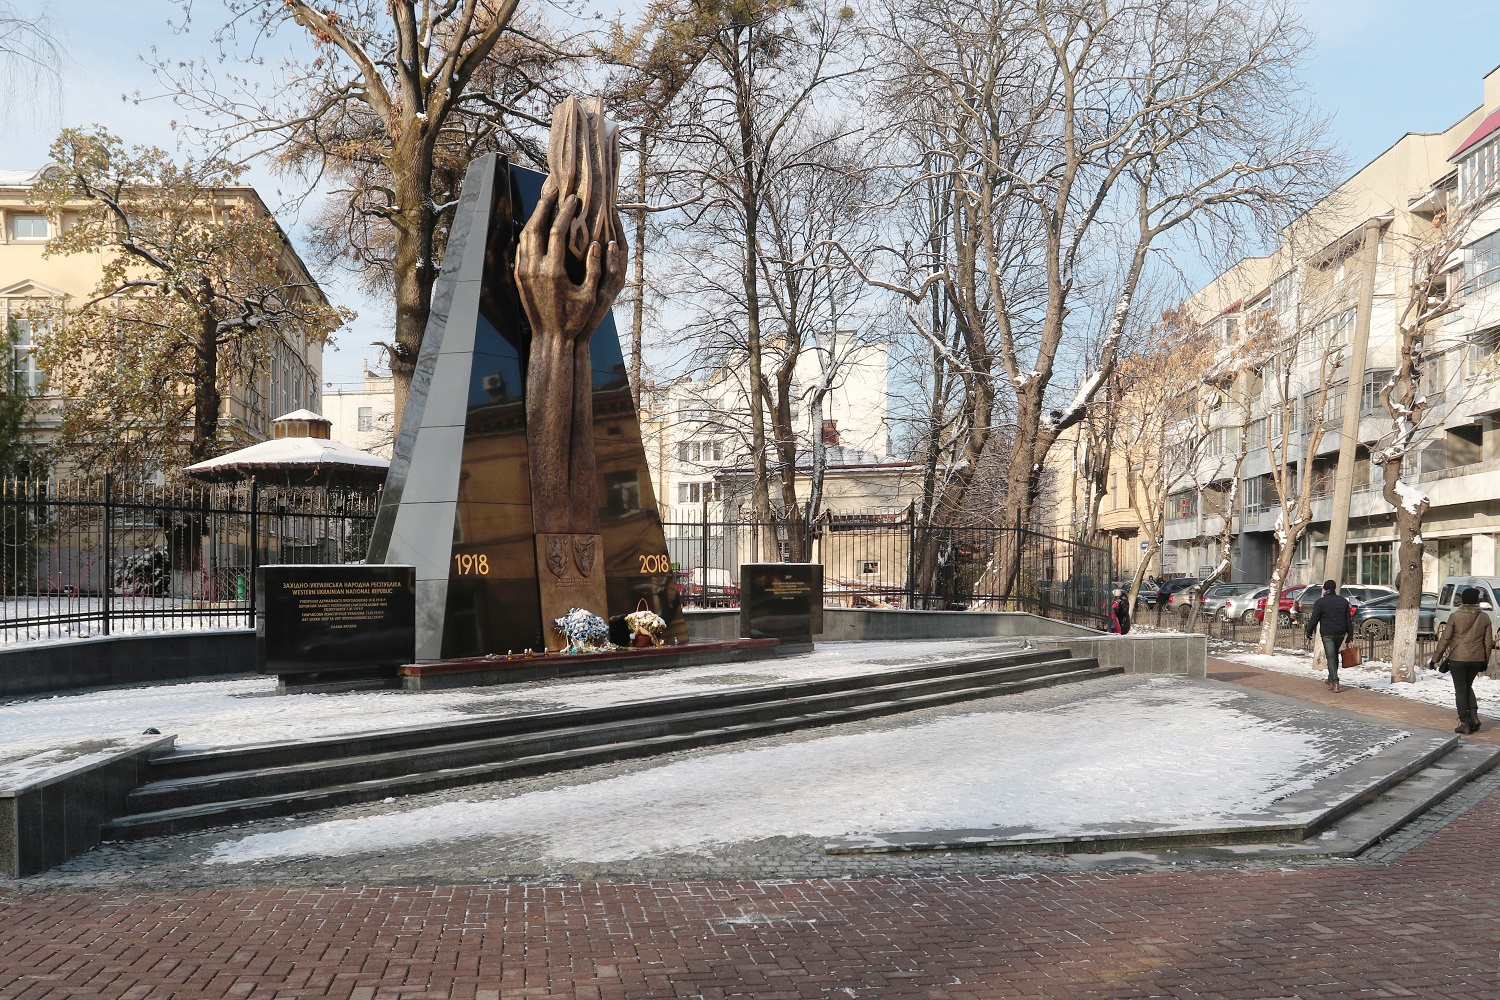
(647,623)
(585,631)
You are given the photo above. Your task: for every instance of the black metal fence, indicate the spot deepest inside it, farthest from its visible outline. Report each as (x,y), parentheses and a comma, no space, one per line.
(1289,638)
(892,561)
(87,557)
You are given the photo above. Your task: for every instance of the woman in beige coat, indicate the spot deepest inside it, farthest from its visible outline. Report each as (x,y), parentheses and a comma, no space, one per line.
(1468,642)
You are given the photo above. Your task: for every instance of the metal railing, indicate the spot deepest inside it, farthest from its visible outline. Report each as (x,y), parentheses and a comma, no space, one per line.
(894,561)
(97,557)
(1288,637)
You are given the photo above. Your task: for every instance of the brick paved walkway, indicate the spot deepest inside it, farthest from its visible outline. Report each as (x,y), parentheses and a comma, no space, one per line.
(1426,923)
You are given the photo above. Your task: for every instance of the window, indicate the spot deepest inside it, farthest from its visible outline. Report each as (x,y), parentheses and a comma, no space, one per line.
(1476,171)
(1375,382)
(1182,506)
(1224,441)
(869,567)
(1333,408)
(1482,262)
(1375,564)
(1435,376)
(1250,491)
(1229,328)
(29,227)
(1453,556)
(699,492)
(1283,304)
(700,451)
(366,418)
(1256,434)
(24,334)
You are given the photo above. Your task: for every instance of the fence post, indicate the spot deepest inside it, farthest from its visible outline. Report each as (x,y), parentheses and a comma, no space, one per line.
(109,548)
(254,547)
(703,545)
(911,556)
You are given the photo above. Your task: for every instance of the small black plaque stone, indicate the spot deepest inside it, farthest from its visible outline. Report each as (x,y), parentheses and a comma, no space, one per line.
(781,601)
(328,624)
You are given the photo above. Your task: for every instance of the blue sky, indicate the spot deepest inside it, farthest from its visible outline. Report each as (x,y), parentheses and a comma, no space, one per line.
(1381,67)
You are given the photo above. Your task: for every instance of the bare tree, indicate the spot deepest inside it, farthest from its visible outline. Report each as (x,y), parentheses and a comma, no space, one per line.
(392,102)
(1075,136)
(32,58)
(1299,373)
(1172,390)
(653,62)
(769,63)
(1433,289)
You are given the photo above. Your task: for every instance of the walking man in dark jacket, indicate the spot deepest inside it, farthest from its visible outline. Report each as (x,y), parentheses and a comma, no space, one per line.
(1332,612)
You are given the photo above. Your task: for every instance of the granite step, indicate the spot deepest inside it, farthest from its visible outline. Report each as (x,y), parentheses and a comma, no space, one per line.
(184,764)
(1342,815)
(177,805)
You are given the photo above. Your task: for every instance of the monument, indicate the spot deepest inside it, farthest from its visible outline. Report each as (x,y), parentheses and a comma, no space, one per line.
(519,487)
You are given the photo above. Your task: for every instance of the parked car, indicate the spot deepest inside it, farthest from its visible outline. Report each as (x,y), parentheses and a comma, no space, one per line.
(1286,614)
(708,588)
(1213,599)
(1147,594)
(1355,593)
(1239,604)
(1451,595)
(1177,593)
(1377,618)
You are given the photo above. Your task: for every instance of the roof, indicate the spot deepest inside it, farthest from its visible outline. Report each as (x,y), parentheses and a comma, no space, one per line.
(292,452)
(303,414)
(1486,128)
(18,178)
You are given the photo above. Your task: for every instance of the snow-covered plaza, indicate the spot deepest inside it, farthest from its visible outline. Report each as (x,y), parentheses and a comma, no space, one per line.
(1139,752)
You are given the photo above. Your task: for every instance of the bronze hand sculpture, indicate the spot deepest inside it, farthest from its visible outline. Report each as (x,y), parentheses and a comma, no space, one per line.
(570,266)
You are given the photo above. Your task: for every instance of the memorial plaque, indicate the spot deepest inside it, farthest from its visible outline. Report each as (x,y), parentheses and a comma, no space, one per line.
(781,601)
(330,624)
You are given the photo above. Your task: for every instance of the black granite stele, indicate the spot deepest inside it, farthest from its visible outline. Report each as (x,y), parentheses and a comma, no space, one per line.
(781,601)
(457,499)
(334,624)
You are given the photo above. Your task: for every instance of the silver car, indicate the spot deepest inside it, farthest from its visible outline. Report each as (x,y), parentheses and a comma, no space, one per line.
(1238,603)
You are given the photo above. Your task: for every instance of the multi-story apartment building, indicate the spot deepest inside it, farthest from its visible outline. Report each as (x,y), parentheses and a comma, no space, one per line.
(1340,279)
(697,433)
(32,284)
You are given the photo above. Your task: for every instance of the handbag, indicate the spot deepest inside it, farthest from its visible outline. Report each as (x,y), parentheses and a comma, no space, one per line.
(1349,656)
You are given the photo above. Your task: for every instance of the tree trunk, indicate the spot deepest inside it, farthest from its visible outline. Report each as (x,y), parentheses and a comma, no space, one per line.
(638,307)
(206,398)
(411,269)
(1409,548)
(1279,573)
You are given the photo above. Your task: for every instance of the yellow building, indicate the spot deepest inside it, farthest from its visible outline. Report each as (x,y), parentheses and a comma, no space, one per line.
(32,284)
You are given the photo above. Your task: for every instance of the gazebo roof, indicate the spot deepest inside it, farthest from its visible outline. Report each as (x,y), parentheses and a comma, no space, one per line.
(296,454)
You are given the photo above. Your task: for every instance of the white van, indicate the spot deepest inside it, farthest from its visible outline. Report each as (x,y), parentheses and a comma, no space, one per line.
(1450,597)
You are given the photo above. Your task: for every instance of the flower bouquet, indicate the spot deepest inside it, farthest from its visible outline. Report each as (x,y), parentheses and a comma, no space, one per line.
(647,628)
(585,631)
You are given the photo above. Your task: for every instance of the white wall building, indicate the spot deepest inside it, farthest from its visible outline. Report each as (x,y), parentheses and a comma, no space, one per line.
(363,413)
(1325,281)
(697,430)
